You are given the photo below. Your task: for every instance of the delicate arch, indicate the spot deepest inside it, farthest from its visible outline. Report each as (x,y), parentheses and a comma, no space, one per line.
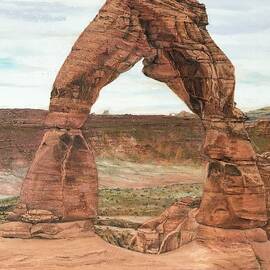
(171,37)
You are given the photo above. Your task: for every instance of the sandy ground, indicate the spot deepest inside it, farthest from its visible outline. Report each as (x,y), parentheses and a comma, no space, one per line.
(10,182)
(135,175)
(120,174)
(92,253)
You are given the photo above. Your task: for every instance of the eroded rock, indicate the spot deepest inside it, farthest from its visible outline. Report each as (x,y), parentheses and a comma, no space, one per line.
(263,162)
(65,230)
(207,233)
(234,196)
(25,230)
(39,216)
(15,230)
(234,192)
(62,178)
(175,227)
(121,237)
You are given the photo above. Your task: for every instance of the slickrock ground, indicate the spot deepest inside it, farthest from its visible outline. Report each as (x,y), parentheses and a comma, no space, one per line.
(213,249)
(93,253)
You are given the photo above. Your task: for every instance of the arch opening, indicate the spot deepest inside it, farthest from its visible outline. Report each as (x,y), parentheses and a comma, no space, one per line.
(134,93)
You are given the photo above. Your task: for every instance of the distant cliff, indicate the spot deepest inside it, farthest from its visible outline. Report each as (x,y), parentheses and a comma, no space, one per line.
(263,113)
(129,137)
(170,139)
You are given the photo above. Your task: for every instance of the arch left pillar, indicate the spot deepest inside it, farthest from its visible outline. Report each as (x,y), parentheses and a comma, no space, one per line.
(62,182)
(63,177)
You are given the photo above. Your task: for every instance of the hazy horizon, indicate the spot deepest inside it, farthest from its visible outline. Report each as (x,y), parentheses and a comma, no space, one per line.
(36,37)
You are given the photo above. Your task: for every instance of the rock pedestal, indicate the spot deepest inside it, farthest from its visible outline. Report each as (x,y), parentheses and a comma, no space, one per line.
(59,195)
(63,177)
(25,230)
(234,193)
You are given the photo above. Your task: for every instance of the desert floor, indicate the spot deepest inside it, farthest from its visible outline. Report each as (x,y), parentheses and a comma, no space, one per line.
(93,253)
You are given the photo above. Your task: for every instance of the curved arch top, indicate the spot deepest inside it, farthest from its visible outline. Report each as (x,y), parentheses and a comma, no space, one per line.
(172,39)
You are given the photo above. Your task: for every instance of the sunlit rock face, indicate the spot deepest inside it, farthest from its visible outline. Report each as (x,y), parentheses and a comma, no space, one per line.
(64,175)
(172,38)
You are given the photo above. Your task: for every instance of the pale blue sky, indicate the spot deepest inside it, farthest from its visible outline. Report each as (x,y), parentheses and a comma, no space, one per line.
(36,36)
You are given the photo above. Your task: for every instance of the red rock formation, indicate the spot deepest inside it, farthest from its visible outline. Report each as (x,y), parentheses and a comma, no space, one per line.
(64,175)
(45,230)
(234,194)
(175,227)
(172,39)
(263,162)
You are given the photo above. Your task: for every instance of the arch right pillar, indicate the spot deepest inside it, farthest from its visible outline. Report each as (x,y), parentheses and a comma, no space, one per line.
(196,69)
(234,193)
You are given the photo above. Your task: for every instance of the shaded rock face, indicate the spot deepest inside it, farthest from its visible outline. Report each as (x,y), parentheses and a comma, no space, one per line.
(172,39)
(263,161)
(175,227)
(228,192)
(120,237)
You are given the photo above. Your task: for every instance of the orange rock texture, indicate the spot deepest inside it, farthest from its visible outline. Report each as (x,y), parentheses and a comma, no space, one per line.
(174,228)
(63,177)
(171,38)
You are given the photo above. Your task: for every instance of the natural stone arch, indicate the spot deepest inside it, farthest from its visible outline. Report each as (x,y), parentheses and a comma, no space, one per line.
(171,37)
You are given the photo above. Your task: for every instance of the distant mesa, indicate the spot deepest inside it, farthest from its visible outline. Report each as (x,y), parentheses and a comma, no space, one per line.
(262,113)
(184,114)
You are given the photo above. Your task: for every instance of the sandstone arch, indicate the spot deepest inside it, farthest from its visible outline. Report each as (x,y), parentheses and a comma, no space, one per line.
(171,37)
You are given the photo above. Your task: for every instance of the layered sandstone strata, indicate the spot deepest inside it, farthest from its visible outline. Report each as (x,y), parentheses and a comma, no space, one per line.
(263,162)
(156,138)
(234,193)
(46,230)
(62,178)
